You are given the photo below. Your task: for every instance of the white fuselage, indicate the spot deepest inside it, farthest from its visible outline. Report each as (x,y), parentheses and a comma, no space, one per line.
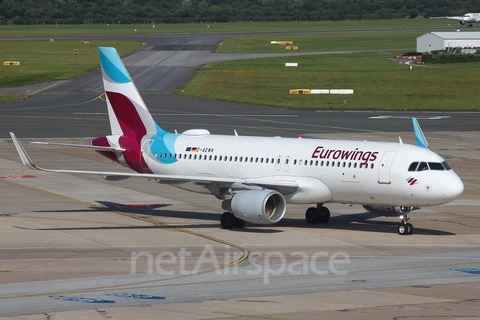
(358,172)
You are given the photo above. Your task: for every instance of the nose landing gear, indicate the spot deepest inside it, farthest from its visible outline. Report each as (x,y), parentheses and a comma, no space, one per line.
(405,228)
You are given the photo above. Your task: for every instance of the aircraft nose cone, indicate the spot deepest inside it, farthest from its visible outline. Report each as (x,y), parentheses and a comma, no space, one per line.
(454,188)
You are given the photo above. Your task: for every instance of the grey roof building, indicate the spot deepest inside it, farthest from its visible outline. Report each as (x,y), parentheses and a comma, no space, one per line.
(463,41)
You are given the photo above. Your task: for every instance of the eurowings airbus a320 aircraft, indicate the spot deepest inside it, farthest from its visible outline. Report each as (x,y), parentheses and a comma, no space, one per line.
(255,177)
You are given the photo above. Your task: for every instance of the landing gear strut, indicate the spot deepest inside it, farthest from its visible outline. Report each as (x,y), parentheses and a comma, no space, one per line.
(319,214)
(229,221)
(405,228)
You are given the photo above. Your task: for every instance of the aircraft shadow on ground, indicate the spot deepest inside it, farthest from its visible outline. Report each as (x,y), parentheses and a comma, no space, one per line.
(363,221)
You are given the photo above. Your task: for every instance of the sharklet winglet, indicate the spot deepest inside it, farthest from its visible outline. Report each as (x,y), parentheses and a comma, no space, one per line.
(419,136)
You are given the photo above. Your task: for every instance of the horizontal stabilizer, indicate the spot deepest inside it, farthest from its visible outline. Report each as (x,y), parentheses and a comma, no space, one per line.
(86,146)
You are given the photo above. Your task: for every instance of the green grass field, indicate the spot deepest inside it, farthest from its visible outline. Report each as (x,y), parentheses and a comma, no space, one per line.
(321,42)
(378,83)
(211,26)
(43,60)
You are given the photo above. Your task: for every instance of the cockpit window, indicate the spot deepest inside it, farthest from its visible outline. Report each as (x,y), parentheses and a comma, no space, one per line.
(436,166)
(422,166)
(446,166)
(413,166)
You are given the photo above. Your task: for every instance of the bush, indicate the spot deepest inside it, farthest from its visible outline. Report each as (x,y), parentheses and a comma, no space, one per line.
(454,58)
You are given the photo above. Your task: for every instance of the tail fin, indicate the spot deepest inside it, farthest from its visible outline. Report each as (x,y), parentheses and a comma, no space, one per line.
(127,111)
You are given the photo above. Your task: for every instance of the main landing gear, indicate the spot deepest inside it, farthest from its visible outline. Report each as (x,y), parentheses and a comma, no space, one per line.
(319,214)
(405,228)
(229,221)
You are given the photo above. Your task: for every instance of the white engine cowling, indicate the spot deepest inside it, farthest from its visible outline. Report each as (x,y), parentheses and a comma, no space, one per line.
(388,211)
(257,206)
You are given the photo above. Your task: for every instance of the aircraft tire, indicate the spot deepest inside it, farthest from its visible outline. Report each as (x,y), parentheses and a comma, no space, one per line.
(410,228)
(227,220)
(403,229)
(239,223)
(311,215)
(324,215)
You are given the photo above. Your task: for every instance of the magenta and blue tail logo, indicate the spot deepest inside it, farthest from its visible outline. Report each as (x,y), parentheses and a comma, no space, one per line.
(131,119)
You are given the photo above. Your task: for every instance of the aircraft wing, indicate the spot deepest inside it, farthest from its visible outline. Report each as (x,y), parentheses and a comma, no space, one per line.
(454,18)
(283,186)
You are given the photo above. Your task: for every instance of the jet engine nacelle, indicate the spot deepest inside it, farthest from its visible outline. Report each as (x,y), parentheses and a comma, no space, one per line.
(257,206)
(461,22)
(388,211)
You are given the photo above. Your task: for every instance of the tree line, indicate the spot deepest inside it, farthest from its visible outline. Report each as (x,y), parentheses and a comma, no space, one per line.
(175,11)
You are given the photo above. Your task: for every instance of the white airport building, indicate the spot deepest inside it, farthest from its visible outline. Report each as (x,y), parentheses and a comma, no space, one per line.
(460,42)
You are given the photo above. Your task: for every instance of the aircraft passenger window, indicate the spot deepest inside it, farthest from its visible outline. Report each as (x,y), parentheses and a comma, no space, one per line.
(355,165)
(278,161)
(210,158)
(261,160)
(295,162)
(256,160)
(231,158)
(422,166)
(349,164)
(236,159)
(321,163)
(446,166)
(333,163)
(190,157)
(436,166)
(311,162)
(371,166)
(344,164)
(338,164)
(316,163)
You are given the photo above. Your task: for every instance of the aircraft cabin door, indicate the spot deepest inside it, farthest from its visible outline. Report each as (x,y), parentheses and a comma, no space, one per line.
(385,166)
(278,163)
(287,161)
(144,153)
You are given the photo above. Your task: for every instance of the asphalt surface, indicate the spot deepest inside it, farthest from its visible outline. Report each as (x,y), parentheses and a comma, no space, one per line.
(80,247)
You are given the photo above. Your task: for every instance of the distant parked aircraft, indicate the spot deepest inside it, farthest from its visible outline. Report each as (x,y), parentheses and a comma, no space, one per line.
(467,18)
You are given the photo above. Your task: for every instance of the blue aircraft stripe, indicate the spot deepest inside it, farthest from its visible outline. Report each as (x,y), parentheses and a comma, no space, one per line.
(112,65)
